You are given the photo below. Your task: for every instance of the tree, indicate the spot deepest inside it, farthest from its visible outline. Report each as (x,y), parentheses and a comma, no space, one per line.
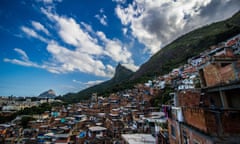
(25,120)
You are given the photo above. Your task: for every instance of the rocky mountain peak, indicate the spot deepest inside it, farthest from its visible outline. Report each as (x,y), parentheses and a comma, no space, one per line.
(48,94)
(121,72)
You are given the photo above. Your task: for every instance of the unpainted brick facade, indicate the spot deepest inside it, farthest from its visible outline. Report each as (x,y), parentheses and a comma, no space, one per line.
(220,73)
(211,114)
(189,98)
(202,119)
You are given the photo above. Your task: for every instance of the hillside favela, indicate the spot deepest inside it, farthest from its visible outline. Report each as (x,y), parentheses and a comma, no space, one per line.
(120,72)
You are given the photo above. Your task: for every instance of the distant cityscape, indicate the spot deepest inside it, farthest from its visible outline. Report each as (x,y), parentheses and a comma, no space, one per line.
(196,103)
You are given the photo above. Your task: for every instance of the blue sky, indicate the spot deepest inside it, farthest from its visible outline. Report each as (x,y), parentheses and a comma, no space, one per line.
(69,45)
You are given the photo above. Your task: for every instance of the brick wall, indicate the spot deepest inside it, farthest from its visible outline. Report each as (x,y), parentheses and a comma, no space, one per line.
(173,139)
(215,74)
(227,73)
(195,117)
(193,136)
(229,53)
(238,68)
(201,119)
(230,120)
(189,98)
(212,75)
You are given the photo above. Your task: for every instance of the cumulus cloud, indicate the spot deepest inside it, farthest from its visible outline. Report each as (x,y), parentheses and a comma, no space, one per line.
(115,49)
(72,33)
(38,26)
(88,48)
(53,67)
(156,23)
(89,45)
(110,69)
(72,60)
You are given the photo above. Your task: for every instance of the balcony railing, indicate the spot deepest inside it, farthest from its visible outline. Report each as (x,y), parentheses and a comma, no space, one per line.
(213,121)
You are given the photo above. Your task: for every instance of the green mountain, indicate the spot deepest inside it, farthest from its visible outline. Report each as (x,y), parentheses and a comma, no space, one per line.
(122,74)
(187,46)
(169,57)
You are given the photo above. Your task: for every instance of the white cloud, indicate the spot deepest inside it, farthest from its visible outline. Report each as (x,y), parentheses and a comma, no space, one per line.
(156,23)
(87,27)
(49,1)
(22,53)
(92,83)
(38,26)
(102,19)
(125,30)
(115,49)
(101,10)
(76,81)
(32,33)
(119,1)
(131,66)
(72,33)
(24,61)
(72,60)
(110,70)
(21,62)
(89,47)
(89,83)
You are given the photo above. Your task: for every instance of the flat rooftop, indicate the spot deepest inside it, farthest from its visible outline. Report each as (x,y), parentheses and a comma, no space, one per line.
(97,128)
(139,138)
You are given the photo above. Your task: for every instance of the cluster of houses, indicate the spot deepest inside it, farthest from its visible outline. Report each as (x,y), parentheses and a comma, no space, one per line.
(206,107)
(203,109)
(12,104)
(8,104)
(124,117)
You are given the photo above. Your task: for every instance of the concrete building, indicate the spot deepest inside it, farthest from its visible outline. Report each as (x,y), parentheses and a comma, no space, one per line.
(211,114)
(138,139)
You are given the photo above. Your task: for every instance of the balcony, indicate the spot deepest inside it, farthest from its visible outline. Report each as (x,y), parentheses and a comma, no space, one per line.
(213,122)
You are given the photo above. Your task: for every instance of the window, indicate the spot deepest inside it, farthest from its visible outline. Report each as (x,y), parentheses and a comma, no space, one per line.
(173,131)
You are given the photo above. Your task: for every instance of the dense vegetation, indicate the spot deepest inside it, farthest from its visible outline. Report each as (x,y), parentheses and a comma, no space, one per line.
(163,97)
(171,56)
